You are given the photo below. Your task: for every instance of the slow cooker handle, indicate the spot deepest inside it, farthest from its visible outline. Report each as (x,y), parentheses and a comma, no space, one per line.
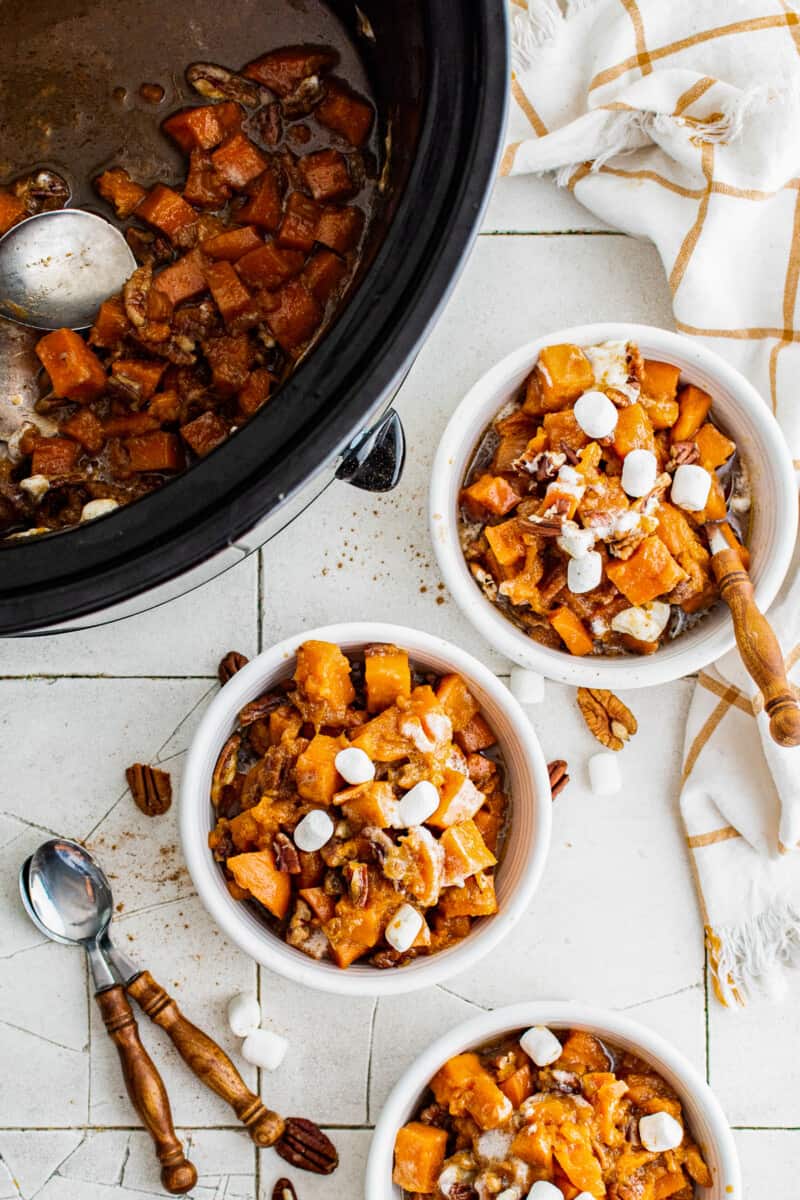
(375,461)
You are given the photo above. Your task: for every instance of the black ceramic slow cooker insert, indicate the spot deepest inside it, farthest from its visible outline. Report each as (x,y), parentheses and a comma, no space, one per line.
(438,71)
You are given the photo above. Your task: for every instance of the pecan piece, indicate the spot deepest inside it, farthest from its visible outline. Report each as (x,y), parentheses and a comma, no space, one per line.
(304,1145)
(225,769)
(357,876)
(543,526)
(230,664)
(682,454)
(611,721)
(261,707)
(284,1190)
(462,1191)
(150,788)
(435,1114)
(286,857)
(557,770)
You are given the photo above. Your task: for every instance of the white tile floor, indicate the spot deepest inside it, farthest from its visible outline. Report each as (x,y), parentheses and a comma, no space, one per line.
(614,923)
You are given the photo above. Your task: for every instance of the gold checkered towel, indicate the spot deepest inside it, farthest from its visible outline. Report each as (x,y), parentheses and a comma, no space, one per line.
(679,121)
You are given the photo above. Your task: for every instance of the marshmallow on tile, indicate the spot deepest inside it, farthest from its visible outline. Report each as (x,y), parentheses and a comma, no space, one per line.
(542,1190)
(595,414)
(264,1049)
(604,776)
(639,470)
(645,623)
(402,930)
(690,487)
(420,802)
(659,1131)
(584,574)
(526,686)
(244,1014)
(574,541)
(541,1045)
(315,829)
(354,765)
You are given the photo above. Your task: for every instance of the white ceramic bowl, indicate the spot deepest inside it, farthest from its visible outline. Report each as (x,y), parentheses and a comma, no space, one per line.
(741,412)
(704,1116)
(526,847)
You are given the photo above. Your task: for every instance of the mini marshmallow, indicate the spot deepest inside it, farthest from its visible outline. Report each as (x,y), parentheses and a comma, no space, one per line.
(527,686)
(690,487)
(574,541)
(639,471)
(646,623)
(315,829)
(541,1045)
(604,776)
(97,508)
(354,765)
(584,574)
(402,930)
(36,486)
(659,1131)
(596,414)
(420,802)
(244,1014)
(509,1193)
(542,1190)
(584,1196)
(264,1049)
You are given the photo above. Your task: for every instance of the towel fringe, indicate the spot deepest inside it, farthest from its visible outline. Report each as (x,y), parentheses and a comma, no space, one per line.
(538,26)
(745,958)
(623,132)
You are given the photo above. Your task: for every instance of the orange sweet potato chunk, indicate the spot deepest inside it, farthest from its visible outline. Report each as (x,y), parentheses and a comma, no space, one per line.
(491,493)
(166,210)
(506,542)
(572,631)
(323,676)
(660,379)
(257,873)
(651,571)
(451,1079)
(563,373)
(459,800)
(477,898)
(371,803)
(457,700)
(714,447)
(694,408)
(465,852)
(634,431)
(12,210)
(419,1152)
(353,931)
(315,774)
(562,430)
(476,735)
(387,675)
(76,373)
(519,1086)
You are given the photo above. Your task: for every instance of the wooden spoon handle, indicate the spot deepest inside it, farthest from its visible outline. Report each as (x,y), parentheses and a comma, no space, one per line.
(759,647)
(207,1060)
(146,1090)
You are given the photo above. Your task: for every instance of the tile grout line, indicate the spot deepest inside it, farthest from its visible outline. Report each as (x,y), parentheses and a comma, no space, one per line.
(551,233)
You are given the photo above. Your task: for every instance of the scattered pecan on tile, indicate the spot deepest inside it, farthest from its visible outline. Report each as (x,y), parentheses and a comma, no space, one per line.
(150,788)
(611,721)
(557,770)
(304,1145)
(230,664)
(286,857)
(284,1190)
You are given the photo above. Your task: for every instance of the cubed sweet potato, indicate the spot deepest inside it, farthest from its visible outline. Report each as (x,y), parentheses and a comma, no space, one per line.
(264,208)
(255,392)
(419,1152)
(563,430)
(183,280)
(315,774)
(716,508)
(155,452)
(202,128)
(340,228)
(476,735)
(660,379)
(457,701)
(141,375)
(230,357)
(476,898)
(284,69)
(166,210)
(662,413)
(258,873)
(205,187)
(120,191)
(323,273)
(232,244)
(298,228)
(54,456)
(238,160)
(387,675)
(322,674)
(321,904)
(12,210)
(451,1080)
(326,175)
(230,295)
(633,431)
(572,631)
(110,325)
(674,529)
(459,800)
(269,266)
(296,318)
(372,803)
(465,852)
(490,493)
(345,112)
(582,1052)
(651,571)
(353,931)
(694,406)
(129,424)
(714,447)
(76,373)
(205,433)
(563,373)
(519,1086)
(85,428)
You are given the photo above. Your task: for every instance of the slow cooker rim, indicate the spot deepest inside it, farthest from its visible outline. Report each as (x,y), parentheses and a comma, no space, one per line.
(48,594)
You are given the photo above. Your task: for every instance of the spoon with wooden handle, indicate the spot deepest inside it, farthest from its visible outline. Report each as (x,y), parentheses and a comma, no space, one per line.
(758,645)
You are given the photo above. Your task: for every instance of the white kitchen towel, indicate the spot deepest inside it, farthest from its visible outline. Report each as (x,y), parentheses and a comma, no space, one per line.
(679,121)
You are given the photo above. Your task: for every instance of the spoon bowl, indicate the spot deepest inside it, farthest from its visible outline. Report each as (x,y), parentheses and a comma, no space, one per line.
(66,893)
(56,268)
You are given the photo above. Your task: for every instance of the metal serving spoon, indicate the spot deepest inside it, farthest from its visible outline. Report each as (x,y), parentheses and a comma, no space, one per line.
(69,898)
(56,268)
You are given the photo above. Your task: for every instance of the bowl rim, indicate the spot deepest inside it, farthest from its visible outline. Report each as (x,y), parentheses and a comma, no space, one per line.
(497,629)
(609,1023)
(300,968)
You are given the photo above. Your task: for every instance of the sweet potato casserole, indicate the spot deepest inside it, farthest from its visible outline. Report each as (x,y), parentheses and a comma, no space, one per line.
(241,269)
(362,806)
(584,509)
(588,1121)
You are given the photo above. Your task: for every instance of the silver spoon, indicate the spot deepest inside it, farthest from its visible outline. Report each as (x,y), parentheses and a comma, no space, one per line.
(68,898)
(56,268)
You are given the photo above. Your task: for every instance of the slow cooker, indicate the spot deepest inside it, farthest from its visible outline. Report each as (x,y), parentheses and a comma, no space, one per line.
(439,73)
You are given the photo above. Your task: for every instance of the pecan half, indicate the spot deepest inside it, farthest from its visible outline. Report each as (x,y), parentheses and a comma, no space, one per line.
(225,769)
(357,876)
(284,1190)
(230,664)
(304,1145)
(435,1114)
(682,454)
(261,707)
(570,454)
(543,526)
(286,857)
(611,721)
(150,788)
(462,1191)
(557,770)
